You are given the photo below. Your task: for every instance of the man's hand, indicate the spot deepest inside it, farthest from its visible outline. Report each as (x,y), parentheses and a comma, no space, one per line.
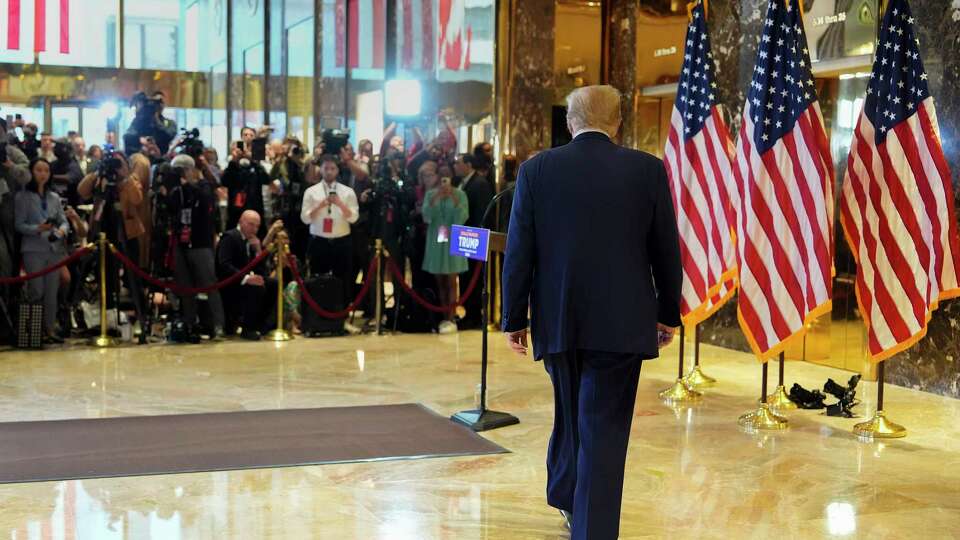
(518,341)
(255,243)
(365,196)
(665,335)
(44,227)
(255,280)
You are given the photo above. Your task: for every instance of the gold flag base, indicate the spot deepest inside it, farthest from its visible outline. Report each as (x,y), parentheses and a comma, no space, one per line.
(104,342)
(680,393)
(698,379)
(278,335)
(879,427)
(763,419)
(779,401)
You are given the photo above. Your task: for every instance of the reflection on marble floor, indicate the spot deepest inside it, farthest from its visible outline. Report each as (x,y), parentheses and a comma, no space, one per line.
(691,473)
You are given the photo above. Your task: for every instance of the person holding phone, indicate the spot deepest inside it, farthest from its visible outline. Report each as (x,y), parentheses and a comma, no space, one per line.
(330,208)
(244,179)
(39,217)
(443,207)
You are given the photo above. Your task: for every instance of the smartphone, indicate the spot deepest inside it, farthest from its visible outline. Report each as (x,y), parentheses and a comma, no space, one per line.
(19,116)
(240,146)
(258,149)
(445,181)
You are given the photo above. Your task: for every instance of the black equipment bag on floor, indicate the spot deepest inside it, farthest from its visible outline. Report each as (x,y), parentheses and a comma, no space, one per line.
(30,325)
(412,318)
(327,291)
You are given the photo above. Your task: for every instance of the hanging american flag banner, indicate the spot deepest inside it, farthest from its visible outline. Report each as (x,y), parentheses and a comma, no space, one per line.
(897,205)
(697,158)
(785,175)
(42,22)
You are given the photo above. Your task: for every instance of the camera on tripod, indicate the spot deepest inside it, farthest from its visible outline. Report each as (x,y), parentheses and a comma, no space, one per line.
(108,169)
(334,140)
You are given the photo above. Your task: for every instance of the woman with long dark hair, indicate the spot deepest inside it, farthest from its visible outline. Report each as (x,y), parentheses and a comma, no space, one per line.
(39,217)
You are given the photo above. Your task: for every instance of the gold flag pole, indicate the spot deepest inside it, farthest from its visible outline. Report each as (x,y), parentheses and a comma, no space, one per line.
(779,400)
(697,378)
(104,340)
(879,427)
(680,392)
(763,418)
(283,249)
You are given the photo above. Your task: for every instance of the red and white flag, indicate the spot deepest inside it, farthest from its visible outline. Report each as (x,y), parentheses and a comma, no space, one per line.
(697,159)
(416,19)
(897,203)
(785,176)
(46,21)
(456,36)
(367,33)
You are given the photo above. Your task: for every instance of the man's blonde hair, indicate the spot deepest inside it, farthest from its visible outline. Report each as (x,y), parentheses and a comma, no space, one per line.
(594,107)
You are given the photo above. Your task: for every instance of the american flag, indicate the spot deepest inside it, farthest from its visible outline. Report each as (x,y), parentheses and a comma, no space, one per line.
(697,158)
(897,206)
(36,20)
(785,175)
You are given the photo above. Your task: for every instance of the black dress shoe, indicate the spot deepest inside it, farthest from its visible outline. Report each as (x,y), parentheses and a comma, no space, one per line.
(53,339)
(567,519)
(251,336)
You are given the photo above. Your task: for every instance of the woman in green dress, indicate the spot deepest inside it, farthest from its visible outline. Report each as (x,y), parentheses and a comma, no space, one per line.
(443,207)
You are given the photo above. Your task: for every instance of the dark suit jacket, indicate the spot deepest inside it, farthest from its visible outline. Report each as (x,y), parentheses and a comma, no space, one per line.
(233,255)
(593,245)
(479,194)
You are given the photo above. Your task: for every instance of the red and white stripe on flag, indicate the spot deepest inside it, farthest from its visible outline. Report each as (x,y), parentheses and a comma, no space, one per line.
(46,21)
(784,173)
(897,202)
(697,161)
(366,31)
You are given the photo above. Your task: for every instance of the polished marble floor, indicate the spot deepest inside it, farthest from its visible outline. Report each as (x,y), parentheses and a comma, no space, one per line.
(691,473)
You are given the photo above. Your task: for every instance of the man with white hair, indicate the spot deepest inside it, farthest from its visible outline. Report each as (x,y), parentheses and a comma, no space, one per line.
(193,204)
(593,252)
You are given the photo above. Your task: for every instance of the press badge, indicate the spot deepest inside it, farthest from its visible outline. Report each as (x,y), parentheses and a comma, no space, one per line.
(443,234)
(240,200)
(327,225)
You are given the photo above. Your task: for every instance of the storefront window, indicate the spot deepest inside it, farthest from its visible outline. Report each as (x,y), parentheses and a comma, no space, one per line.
(187,35)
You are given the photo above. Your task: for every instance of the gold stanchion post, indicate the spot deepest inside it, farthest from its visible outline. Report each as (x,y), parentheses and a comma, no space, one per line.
(104,340)
(879,427)
(378,294)
(697,378)
(680,392)
(763,418)
(283,250)
(779,400)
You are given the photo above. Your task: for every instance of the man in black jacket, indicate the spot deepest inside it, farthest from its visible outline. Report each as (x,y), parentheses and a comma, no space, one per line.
(192,206)
(593,250)
(249,296)
(244,180)
(479,192)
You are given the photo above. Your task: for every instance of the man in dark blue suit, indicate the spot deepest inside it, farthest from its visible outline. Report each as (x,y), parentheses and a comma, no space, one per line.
(593,250)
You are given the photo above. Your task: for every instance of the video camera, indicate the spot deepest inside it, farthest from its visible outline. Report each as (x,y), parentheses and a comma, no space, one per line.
(146,106)
(334,140)
(191,144)
(108,169)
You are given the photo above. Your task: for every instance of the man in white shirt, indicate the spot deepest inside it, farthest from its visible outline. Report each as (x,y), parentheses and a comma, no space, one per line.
(330,208)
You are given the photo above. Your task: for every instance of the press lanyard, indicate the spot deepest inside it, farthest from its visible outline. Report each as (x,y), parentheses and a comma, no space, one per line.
(327,193)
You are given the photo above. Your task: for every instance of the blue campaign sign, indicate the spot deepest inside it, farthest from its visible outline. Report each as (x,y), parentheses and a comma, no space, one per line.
(469,242)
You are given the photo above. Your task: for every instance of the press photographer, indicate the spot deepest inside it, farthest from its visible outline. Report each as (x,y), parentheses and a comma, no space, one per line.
(118,201)
(244,179)
(149,122)
(193,204)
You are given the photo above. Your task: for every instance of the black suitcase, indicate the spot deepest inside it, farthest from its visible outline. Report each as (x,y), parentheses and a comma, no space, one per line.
(30,326)
(412,318)
(327,291)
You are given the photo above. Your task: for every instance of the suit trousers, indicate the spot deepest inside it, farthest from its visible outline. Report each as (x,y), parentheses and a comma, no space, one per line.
(195,268)
(594,394)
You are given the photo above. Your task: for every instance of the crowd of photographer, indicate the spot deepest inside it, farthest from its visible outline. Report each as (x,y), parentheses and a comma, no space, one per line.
(168,206)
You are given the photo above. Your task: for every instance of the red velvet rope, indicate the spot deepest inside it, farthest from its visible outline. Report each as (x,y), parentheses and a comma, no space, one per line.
(367,282)
(40,273)
(179,289)
(398,274)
